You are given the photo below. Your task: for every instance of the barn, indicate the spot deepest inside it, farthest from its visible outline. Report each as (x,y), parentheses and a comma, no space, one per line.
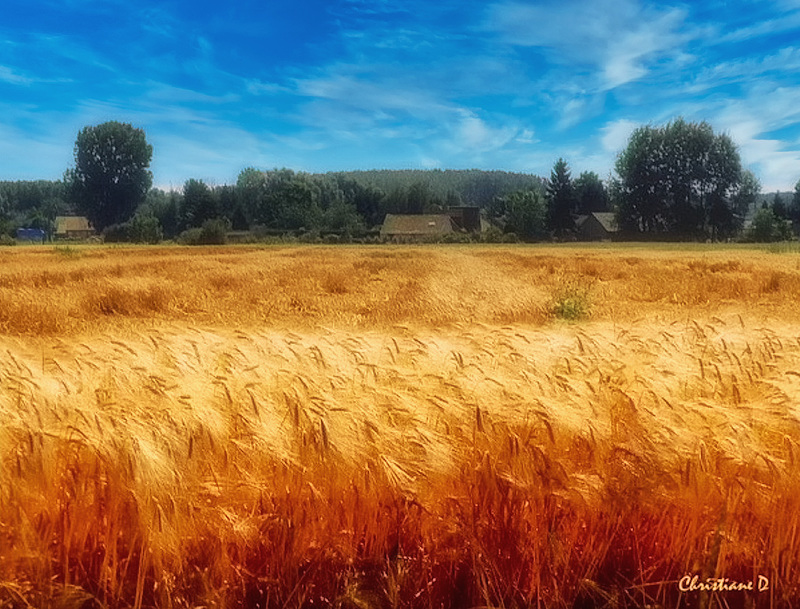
(417,227)
(402,227)
(73,227)
(597,226)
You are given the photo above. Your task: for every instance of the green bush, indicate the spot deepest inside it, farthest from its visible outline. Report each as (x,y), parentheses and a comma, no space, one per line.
(212,232)
(767,227)
(452,238)
(492,235)
(311,236)
(143,228)
(571,302)
(66,251)
(215,231)
(116,233)
(7,240)
(190,236)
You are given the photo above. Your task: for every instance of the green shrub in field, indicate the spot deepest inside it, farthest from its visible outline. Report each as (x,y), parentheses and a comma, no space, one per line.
(571,302)
(215,231)
(116,233)
(7,240)
(492,235)
(191,236)
(453,238)
(66,251)
(767,227)
(312,236)
(144,228)
(212,232)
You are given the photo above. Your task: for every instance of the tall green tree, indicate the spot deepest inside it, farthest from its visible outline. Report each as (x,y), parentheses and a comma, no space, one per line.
(679,178)
(745,195)
(280,199)
(767,226)
(5,214)
(230,206)
(524,214)
(794,208)
(590,193)
(166,207)
(416,198)
(199,204)
(111,176)
(561,200)
(367,199)
(780,208)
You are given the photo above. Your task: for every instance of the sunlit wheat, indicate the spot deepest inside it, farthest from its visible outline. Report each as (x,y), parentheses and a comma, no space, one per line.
(395,427)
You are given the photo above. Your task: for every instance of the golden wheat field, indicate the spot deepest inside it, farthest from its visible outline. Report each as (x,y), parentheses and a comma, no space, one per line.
(383,427)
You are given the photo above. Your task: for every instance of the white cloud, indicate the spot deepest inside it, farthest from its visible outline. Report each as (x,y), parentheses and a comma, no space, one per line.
(31,155)
(764,109)
(474,135)
(572,112)
(163,93)
(763,28)
(622,69)
(372,90)
(777,169)
(526,136)
(9,75)
(70,48)
(255,86)
(620,38)
(429,163)
(748,70)
(616,134)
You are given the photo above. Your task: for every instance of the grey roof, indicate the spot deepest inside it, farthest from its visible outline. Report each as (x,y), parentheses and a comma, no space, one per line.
(580,220)
(607,220)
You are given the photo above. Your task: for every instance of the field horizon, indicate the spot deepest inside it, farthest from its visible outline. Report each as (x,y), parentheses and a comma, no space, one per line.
(392,426)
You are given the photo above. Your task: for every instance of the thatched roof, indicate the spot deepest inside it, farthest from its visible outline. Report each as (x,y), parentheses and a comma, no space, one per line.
(416,225)
(68,224)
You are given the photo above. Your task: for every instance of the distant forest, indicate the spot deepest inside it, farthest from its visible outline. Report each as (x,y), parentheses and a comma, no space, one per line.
(471,186)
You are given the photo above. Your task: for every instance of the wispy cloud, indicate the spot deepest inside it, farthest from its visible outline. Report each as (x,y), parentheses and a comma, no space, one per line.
(472,134)
(784,23)
(11,76)
(781,64)
(619,38)
(615,135)
(751,119)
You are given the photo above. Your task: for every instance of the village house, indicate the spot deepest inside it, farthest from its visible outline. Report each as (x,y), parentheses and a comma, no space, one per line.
(418,227)
(73,227)
(597,226)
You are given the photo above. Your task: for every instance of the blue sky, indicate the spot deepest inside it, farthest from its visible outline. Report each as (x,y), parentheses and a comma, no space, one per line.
(357,84)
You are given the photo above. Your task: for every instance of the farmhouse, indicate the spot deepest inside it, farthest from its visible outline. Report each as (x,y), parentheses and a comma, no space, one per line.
(73,227)
(597,226)
(408,227)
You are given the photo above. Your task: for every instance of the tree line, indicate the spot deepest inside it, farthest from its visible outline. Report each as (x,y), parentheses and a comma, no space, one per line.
(675,181)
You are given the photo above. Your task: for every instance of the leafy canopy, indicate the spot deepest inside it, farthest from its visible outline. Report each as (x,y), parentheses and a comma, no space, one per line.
(681,178)
(111,176)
